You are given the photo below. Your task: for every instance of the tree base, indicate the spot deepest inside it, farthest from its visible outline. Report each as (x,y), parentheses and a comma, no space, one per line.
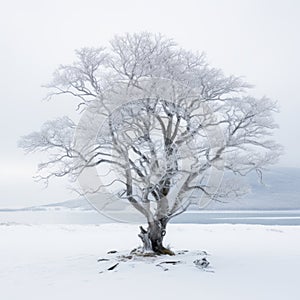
(152,240)
(140,251)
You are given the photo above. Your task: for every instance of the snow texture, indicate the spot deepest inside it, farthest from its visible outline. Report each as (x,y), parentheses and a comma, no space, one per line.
(60,262)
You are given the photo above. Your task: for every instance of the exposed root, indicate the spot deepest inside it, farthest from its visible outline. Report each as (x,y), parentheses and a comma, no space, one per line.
(166,251)
(140,251)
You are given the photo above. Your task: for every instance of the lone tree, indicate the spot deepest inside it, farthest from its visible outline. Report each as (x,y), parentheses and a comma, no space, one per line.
(157,123)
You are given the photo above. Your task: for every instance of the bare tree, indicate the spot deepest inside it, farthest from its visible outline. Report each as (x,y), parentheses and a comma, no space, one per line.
(169,121)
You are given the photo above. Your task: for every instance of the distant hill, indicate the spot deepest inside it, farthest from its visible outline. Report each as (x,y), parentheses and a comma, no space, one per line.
(79,203)
(280,191)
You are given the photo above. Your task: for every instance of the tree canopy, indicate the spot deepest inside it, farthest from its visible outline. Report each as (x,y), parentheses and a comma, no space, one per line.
(158,126)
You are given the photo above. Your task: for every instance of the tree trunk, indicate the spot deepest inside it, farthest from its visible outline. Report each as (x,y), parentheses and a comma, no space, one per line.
(152,238)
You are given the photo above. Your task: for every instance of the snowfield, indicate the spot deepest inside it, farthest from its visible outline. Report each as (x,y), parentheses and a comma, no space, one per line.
(60,262)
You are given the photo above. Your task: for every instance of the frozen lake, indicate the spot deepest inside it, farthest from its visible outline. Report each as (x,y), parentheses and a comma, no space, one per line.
(283,217)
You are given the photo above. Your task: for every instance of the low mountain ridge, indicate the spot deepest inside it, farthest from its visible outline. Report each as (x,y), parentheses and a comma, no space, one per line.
(280,191)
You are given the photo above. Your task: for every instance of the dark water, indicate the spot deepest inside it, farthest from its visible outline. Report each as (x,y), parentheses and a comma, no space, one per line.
(287,217)
(242,217)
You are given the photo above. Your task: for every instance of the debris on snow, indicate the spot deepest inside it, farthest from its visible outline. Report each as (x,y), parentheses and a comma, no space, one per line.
(112,267)
(137,256)
(201,263)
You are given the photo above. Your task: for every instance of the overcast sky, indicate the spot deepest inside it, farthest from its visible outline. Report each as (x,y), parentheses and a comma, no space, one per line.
(258,39)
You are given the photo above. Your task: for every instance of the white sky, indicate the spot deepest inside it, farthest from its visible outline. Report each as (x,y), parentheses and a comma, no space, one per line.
(258,39)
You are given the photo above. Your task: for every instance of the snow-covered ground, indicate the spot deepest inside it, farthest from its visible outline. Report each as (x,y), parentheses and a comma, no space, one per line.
(60,262)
